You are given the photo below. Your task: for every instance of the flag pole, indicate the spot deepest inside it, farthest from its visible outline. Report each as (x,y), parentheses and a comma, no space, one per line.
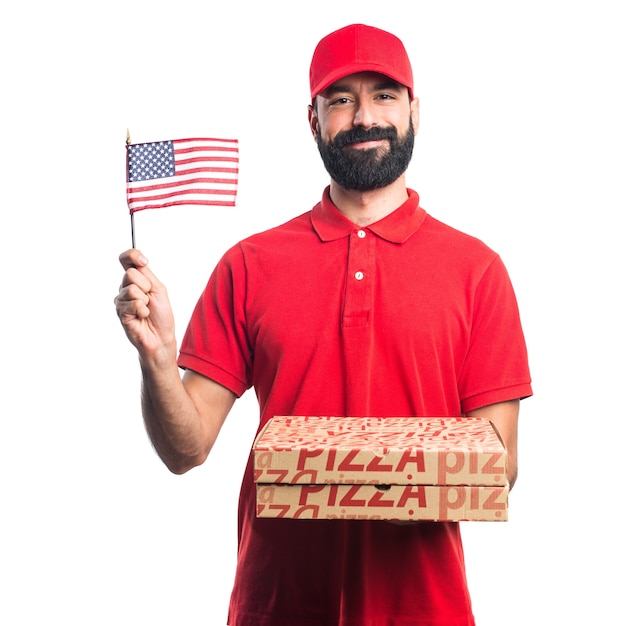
(132,215)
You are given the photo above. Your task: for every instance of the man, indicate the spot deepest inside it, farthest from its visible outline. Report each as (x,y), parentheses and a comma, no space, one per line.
(364,306)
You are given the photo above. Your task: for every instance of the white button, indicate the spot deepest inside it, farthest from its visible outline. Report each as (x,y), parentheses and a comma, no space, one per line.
(359,275)
(361,234)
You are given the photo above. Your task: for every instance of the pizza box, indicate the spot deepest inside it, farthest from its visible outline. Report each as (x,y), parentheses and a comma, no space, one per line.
(406,468)
(436,503)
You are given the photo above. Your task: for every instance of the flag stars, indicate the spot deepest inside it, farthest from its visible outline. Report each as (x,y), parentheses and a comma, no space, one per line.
(155,180)
(148,161)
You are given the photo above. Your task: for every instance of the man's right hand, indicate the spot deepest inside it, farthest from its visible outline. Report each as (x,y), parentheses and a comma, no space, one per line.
(144,309)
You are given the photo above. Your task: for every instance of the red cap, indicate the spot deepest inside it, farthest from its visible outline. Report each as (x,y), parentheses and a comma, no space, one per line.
(359,48)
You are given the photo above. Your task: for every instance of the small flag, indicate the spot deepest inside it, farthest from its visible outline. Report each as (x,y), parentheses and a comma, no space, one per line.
(182,171)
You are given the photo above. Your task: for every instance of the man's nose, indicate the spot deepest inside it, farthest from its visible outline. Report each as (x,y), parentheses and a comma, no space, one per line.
(364,114)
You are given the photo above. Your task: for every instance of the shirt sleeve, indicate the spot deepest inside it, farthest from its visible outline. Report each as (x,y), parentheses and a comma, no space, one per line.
(215,343)
(496,367)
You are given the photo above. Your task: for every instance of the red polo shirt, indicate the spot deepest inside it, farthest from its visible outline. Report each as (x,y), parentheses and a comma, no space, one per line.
(405,317)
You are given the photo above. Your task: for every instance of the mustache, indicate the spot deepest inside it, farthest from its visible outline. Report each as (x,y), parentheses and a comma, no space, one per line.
(360,135)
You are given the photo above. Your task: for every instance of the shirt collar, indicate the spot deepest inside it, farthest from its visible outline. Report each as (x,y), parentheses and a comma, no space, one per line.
(329,223)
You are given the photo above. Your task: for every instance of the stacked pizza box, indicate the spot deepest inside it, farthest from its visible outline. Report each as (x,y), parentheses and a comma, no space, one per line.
(393,468)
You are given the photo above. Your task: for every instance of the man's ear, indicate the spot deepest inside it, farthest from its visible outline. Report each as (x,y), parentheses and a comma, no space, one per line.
(415,114)
(313,121)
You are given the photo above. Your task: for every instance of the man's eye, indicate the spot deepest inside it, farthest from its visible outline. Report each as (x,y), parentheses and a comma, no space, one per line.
(341,100)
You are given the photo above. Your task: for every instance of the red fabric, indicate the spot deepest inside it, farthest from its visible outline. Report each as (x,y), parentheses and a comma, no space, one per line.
(359,48)
(430,329)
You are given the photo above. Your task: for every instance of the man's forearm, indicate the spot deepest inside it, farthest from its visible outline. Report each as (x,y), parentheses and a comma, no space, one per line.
(172,420)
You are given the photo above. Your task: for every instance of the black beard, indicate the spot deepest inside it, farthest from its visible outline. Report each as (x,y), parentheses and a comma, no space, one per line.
(364,170)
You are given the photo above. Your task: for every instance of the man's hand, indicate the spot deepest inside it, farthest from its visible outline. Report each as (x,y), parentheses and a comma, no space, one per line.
(144,309)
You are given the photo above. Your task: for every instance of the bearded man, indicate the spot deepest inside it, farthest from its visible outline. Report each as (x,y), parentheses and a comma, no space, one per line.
(365,305)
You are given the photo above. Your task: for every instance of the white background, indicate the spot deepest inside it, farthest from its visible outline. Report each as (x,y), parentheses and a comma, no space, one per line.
(522,144)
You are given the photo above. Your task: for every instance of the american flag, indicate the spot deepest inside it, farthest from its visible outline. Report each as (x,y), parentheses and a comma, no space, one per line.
(182,171)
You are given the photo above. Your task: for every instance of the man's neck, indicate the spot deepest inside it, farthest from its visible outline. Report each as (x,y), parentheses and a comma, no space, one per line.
(366,207)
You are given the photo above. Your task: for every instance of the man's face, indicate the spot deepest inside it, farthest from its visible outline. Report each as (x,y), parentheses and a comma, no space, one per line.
(365,127)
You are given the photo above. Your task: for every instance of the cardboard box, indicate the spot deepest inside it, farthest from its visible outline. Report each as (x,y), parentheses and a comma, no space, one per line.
(435,503)
(441,469)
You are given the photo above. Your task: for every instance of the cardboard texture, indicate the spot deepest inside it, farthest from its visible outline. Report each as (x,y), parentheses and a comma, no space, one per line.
(397,502)
(404,468)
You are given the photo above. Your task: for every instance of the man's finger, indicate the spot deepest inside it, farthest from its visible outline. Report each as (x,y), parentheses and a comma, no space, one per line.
(133,258)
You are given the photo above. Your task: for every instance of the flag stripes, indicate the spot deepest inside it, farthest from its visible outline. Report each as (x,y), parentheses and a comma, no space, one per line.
(197,171)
